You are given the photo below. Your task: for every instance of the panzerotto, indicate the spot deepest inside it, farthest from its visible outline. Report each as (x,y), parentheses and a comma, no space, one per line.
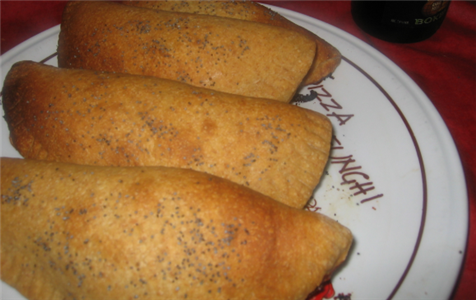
(223,54)
(86,232)
(327,57)
(98,118)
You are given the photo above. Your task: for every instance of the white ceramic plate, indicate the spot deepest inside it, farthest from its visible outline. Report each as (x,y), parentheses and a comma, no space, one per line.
(394,176)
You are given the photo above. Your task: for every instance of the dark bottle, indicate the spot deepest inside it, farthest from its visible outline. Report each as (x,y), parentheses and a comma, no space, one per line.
(400,21)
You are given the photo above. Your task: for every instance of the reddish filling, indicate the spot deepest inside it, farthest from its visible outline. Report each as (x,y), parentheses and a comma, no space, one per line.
(324,291)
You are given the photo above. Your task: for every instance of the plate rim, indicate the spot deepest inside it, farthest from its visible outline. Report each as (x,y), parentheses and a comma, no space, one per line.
(437,124)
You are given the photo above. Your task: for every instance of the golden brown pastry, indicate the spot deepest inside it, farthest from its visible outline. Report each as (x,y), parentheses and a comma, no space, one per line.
(97,118)
(87,232)
(229,55)
(327,57)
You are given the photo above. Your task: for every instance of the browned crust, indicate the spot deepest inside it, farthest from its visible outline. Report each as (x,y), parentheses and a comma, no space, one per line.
(96,118)
(327,57)
(84,232)
(229,55)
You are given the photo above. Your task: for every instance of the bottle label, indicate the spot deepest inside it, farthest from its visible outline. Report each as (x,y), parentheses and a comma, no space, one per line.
(432,11)
(410,14)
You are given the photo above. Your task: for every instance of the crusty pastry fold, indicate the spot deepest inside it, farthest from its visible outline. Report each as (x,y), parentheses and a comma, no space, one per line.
(224,54)
(327,57)
(97,118)
(87,232)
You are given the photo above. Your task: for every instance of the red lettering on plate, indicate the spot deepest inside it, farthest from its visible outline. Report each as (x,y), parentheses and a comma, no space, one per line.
(344,177)
(350,176)
(361,187)
(342,118)
(346,160)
